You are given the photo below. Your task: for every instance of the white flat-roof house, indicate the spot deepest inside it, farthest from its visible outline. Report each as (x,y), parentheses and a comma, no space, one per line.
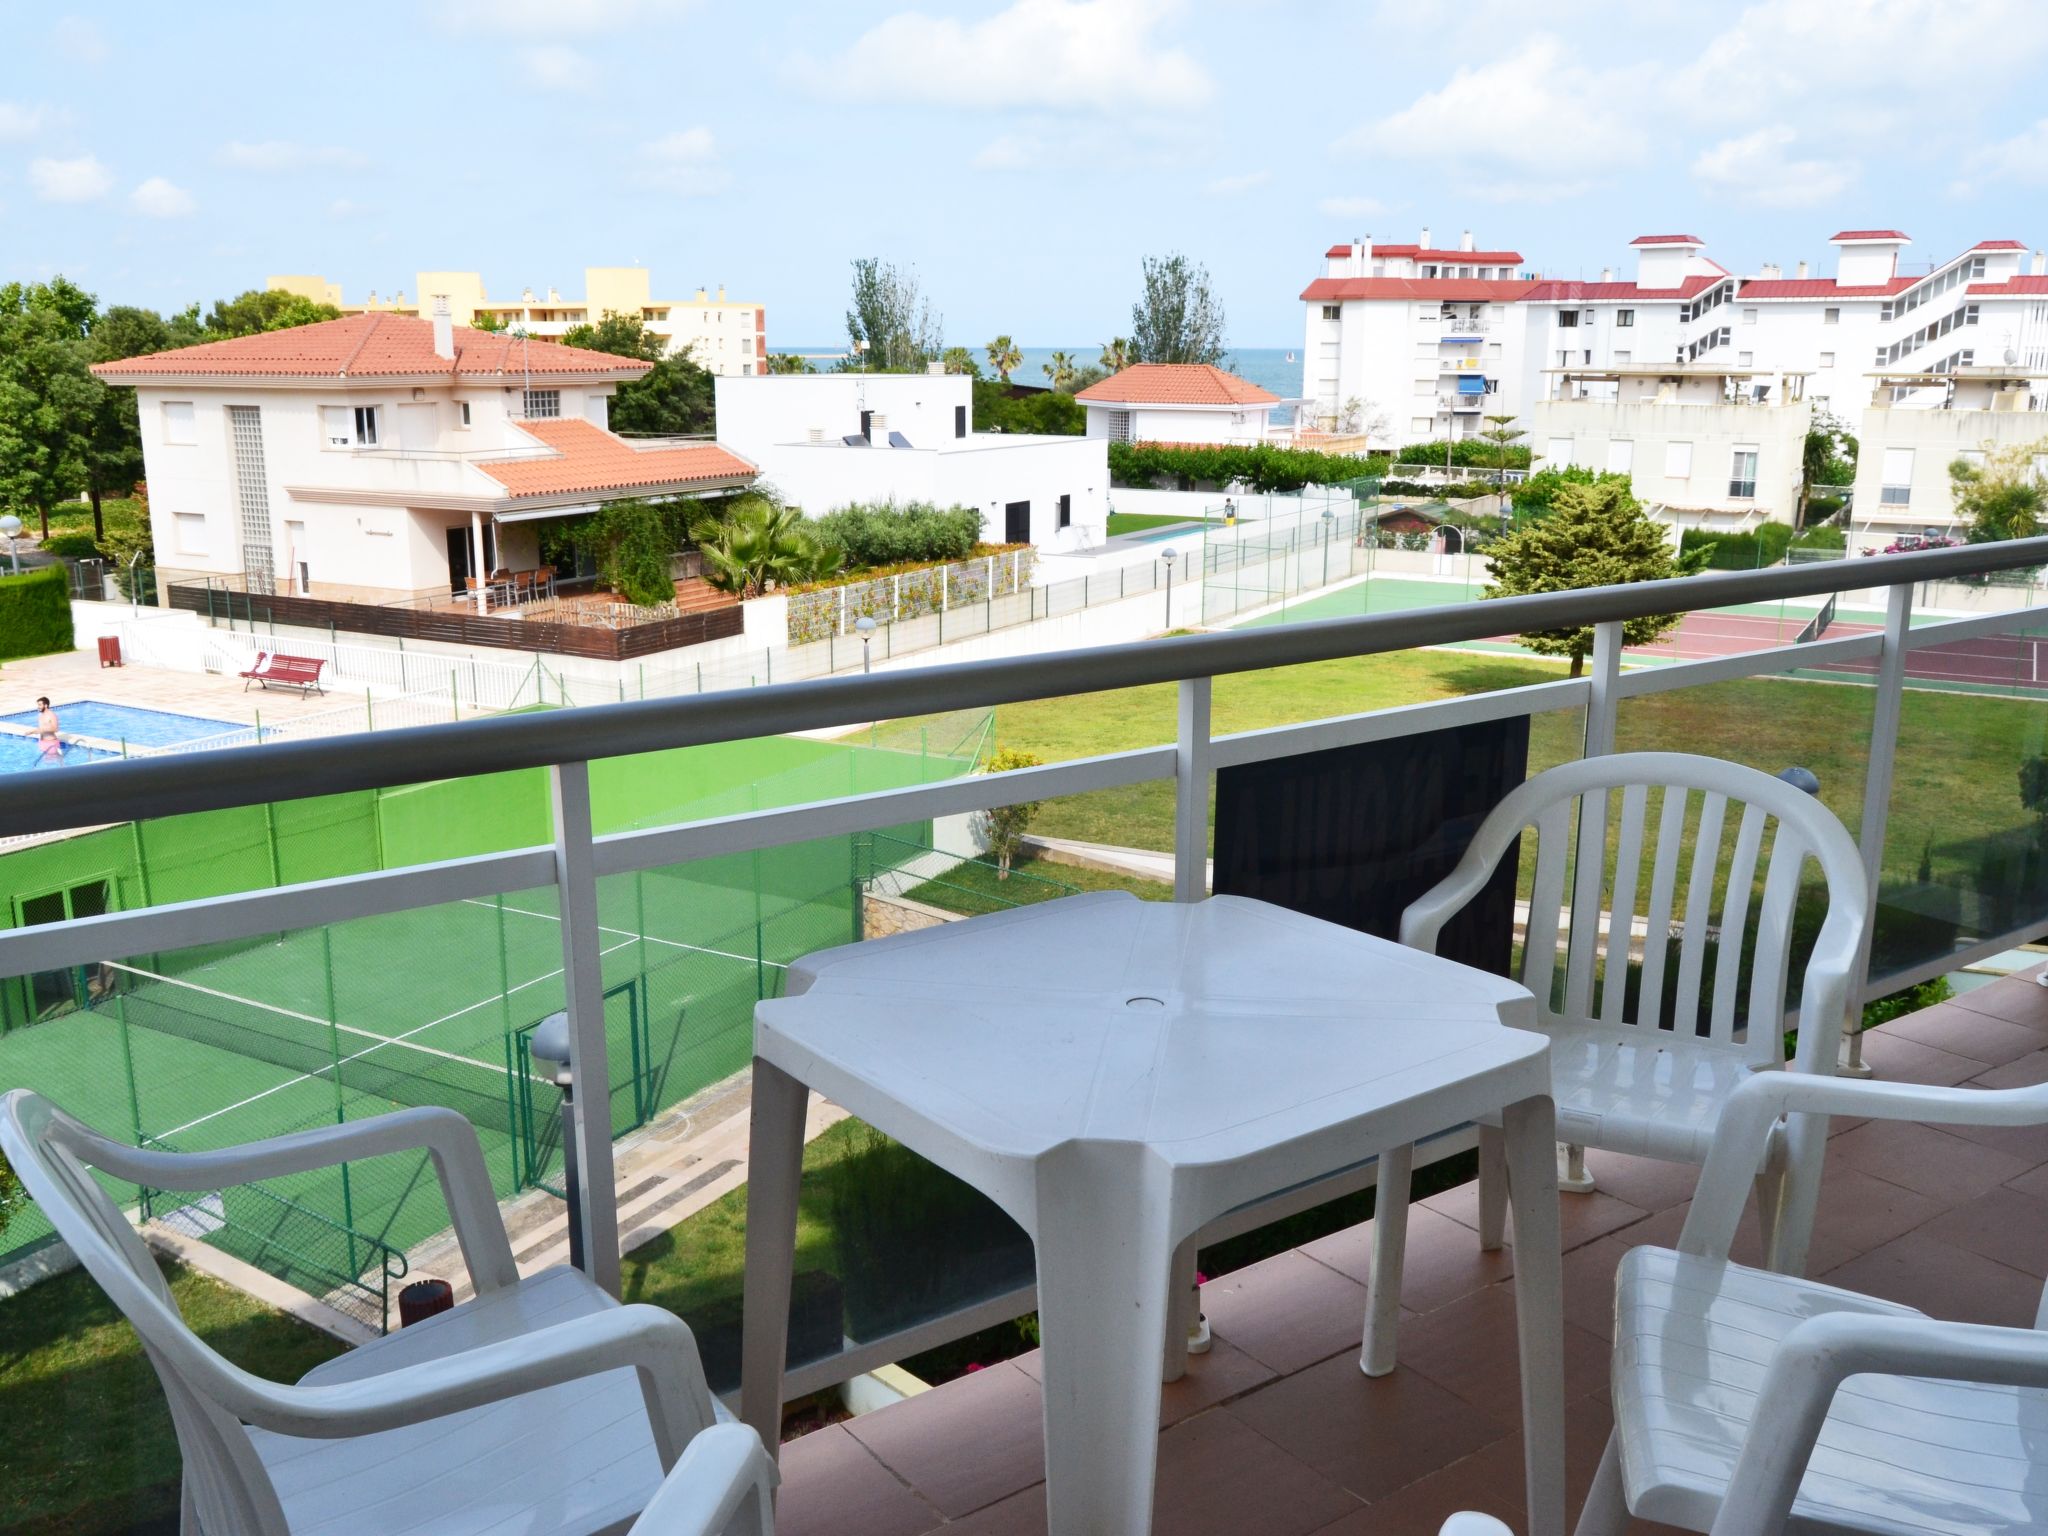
(1177,403)
(828,440)
(382,457)
(1907,443)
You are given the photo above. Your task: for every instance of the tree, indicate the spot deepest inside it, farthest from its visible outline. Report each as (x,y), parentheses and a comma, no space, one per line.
(264,309)
(961,360)
(113,455)
(12,1196)
(1004,357)
(1595,536)
(789,362)
(491,324)
(1828,457)
(1003,826)
(47,397)
(761,543)
(891,326)
(1178,320)
(1061,371)
(2003,497)
(1116,354)
(2034,793)
(1501,434)
(674,398)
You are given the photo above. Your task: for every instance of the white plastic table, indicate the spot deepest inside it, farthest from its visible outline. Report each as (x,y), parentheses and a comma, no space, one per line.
(1115,1074)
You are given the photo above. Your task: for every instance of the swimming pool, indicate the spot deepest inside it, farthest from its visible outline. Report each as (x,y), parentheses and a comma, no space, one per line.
(125,722)
(22,754)
(1166,535)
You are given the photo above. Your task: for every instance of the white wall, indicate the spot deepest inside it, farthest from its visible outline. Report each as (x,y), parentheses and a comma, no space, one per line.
(1598,431)
(756,414)
(1934,439)
(1181,424)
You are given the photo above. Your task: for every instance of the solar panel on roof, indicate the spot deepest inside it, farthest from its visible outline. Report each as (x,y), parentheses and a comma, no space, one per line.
(898,440)
(855,440)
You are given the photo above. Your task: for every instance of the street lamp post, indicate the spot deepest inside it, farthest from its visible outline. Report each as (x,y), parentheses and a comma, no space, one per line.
(866,628)
(10,525)
(1329,528)
(550,1043)
(1169,555)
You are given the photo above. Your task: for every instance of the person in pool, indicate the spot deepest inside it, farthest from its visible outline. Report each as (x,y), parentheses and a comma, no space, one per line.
(47,739)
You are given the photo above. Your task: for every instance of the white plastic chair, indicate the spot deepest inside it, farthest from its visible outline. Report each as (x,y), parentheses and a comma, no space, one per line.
(1735,1410)
(541,1408)
(1633,1080)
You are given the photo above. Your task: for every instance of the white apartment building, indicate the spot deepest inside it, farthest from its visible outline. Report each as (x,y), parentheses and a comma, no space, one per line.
(728,337)
(1908,443)
(1177,403)
(384,457)
(828,440)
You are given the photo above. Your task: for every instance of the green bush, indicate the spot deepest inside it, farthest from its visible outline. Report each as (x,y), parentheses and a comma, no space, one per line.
(1260,466)
(1536,493)
(71,546)
(1466,453)
(1055,413)
(1462,491)
(1749,551)
(35,613)
(1821,538)
(884,533)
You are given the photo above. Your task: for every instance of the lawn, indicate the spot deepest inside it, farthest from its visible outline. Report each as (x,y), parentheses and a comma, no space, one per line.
(76,516)
(89,1438)
(975,886)
(1135,522)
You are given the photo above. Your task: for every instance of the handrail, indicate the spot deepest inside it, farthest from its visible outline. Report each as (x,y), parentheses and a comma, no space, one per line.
(144,788)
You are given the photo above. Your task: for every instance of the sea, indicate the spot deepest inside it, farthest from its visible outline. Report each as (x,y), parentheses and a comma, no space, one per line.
(1277,369)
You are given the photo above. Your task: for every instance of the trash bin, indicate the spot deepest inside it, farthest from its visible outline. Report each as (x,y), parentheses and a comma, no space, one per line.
(422,1299)
(110,650)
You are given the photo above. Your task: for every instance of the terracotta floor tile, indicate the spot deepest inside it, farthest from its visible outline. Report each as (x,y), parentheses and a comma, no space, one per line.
(1581,1218)
(1943,1281)
(971,1442)
(1662,1229)
(1287,1311)
(1957,1028)
(2004,1225)
(1897,1059)
(2017,999)
(1220,1477)
(1929,1161)
(1444,1260)
(2026,1072)
(1372,1435)
(832,1485)
(1647,1183)
(1223,1373)
(1469,1348)
(1589,1284)
(1021,1514)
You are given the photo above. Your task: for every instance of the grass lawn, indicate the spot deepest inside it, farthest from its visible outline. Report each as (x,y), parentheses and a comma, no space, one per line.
(88,1435)
(1133,522)
(974,886)
(76,516)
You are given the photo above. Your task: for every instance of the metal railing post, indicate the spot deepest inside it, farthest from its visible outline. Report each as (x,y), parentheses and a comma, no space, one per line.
(1604,701)
(1191,792)
(583,990)
(1885,709)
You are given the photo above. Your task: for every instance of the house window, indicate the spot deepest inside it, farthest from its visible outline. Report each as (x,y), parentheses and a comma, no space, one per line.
(1624,317)
(1623,357)
(1827,359)
(366,426)
(1567,318)
(336,428)
(1749,317)
(178,425)
(959,421)
(1898,478)
(1066,512)
(1558,452)
(462,411)
(542,404)
(746,346)
(1587,317)
(190,528)
(1564,359)
(1621,456)
(1678,461)
(746,370)
(1831,317)
(1119,425)
(1742,475)
(1332,311)
(1744,359)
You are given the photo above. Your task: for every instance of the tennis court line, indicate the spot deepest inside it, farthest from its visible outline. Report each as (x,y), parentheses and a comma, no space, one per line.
(630,935)
(382,1040)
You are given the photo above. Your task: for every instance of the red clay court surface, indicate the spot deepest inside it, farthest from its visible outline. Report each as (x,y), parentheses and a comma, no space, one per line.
(1986,661)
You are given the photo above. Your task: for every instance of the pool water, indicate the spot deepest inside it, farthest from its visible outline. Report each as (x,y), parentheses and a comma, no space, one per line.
(21,754)
(125,722)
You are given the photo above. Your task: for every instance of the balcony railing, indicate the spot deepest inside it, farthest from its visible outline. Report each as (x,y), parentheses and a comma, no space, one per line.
(584,895)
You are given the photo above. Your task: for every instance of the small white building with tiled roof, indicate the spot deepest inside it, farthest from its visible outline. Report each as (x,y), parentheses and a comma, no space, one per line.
(1177,403)
(383,457)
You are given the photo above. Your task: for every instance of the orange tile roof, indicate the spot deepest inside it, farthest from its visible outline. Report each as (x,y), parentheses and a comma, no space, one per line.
(1483,258)
(1177,384)
(372,346)
(589,459)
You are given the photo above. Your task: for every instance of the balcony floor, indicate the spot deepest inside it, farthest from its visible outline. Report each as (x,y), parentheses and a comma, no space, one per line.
(1275,1431)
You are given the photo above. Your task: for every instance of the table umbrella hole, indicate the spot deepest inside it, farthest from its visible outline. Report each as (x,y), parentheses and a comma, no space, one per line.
(1144,1002)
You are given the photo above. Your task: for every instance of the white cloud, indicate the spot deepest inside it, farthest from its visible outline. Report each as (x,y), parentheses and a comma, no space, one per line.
(1561,124)
(18,122)
(1762,167)
(280,155)
(347,208)
(1089,55)
(79,180)
(555,68)
(80,38)
(1236,186)
(686,162)
(1351,207)
(2021,160)
(1011,152)
(159,199)
(582,17)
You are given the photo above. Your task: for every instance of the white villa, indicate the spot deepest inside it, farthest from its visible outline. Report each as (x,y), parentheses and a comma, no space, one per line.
(827,440)
(382,457)
(1177,403)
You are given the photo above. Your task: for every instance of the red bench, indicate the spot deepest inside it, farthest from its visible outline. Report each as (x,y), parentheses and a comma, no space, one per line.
(300,672)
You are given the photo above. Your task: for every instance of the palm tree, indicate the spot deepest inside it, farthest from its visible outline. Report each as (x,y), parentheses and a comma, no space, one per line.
(763,544)
(1061,370)
(1004,357)
(1116,354)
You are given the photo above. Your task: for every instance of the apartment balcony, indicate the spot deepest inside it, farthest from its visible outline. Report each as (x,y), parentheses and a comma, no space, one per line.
(394,914)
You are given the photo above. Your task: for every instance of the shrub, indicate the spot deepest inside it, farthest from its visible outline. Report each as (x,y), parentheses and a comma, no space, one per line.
(1821,538)
(35,613)
(1004,826)
(71,546)
(1053,412)
(1748,551)
(1260,466)
(1466,453)
(887,534)
(1536,493)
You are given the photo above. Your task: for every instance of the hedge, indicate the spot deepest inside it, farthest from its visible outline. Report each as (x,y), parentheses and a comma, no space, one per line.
(1466,453)
(1261,466)
(1761,546)
(71,546)
(35,613)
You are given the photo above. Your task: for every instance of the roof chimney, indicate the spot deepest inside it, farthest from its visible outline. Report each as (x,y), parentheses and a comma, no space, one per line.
(1771,270)
(1465,241)
(444,329)
(2040,263)
(721,293)
(554,295)
(1423,243)
(1801,269)
(700,295)
(1607,274)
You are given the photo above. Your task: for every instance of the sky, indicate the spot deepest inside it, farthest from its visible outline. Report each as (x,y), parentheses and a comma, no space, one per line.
(1021,156)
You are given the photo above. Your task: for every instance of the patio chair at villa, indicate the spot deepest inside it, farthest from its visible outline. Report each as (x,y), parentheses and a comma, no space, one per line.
(1646,1069)
(1747,1403)
(542,1406)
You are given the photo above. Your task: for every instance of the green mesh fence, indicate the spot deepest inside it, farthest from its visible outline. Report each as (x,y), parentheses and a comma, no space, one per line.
(227,1043)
